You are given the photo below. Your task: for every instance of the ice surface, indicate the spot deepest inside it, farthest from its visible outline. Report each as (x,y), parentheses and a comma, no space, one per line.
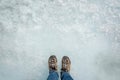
(88,31)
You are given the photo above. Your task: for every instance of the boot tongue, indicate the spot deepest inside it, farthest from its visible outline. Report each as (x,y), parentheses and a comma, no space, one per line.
(52,65)
(65,66)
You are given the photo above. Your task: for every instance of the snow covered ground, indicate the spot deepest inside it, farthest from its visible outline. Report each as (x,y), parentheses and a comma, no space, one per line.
(88,31)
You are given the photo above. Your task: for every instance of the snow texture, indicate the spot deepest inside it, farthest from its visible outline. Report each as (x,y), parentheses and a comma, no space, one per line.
(88,31)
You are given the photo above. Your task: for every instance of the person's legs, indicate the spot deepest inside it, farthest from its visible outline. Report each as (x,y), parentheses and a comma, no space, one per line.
(52,64)
(53,75)
(66,76)
(66,69)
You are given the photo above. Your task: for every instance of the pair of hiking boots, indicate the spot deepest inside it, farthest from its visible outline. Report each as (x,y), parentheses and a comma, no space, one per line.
(52,63)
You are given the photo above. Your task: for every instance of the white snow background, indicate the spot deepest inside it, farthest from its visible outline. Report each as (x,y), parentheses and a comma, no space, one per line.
(88,31)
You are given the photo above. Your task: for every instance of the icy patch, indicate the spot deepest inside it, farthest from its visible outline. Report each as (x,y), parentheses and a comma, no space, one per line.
(86,31)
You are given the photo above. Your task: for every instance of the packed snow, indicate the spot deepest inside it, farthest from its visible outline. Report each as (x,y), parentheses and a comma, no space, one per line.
(88,31)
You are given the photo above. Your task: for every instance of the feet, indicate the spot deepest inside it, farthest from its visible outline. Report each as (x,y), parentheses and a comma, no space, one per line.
(65,64)
(52,63)
(64,74)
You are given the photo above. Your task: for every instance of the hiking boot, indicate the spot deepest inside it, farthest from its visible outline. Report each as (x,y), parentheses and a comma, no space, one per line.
(65,64)
(52,63)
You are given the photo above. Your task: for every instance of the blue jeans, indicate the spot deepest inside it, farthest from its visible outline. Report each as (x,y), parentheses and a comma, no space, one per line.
(53,75)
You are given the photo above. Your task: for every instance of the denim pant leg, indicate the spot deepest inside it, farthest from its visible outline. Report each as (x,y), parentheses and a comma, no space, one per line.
(53,75)
(66,76)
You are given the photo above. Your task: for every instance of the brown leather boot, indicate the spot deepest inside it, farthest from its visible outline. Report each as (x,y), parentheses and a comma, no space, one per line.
(65,64)
(52,63)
